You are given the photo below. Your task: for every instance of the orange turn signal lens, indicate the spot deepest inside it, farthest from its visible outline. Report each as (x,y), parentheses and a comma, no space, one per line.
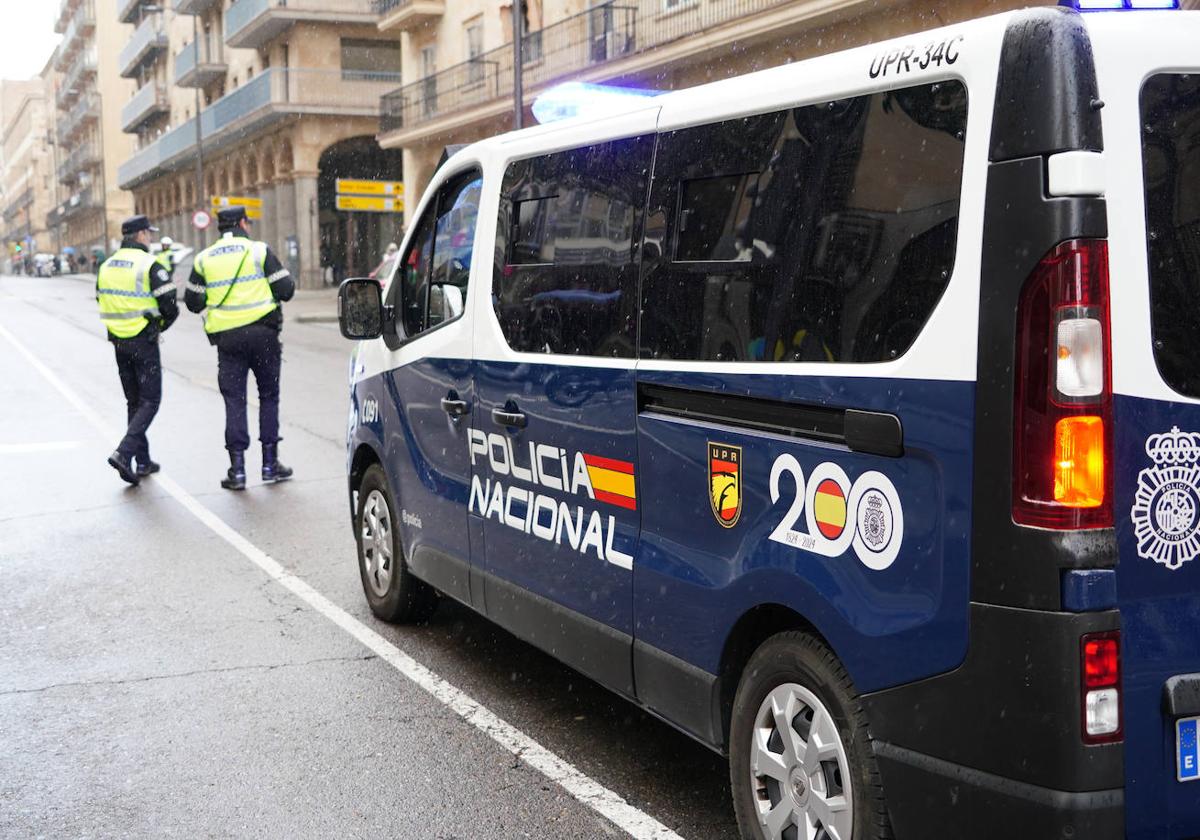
(1079,461)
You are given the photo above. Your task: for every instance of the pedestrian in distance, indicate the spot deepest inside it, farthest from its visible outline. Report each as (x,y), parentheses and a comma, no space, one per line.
(240,282)
(164,256)
(137,304)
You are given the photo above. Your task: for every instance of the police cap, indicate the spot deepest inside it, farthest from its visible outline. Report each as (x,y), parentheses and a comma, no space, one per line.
(136,224)
(230,217)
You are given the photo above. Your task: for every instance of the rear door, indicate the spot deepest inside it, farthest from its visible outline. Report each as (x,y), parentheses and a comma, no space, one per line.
(1149,75)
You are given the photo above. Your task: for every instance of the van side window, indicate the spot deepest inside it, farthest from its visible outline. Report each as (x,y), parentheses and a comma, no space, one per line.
(823,233)
(434,272)
(1170,105)
(566,268)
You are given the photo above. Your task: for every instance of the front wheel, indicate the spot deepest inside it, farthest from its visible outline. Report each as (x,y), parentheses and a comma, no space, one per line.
(800,758)
(393,594)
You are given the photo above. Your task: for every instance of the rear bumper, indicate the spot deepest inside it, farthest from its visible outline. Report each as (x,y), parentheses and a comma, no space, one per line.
(929,797)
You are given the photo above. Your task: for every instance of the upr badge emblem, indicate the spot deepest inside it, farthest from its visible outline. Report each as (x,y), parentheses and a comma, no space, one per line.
(725,482)
(1166,508)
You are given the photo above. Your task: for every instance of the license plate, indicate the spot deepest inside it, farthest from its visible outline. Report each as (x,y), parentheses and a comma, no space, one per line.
(1188,753)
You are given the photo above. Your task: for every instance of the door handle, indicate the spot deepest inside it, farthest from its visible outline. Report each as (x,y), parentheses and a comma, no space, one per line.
(509,416)
(454,407)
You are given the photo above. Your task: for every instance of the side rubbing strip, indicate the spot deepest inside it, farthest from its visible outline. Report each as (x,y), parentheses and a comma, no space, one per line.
(861,431)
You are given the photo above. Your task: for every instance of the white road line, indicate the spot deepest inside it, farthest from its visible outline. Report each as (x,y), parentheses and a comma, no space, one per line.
(581,786)
(33,448)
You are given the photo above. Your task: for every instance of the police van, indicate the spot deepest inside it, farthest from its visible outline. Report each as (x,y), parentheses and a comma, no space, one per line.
(845,416)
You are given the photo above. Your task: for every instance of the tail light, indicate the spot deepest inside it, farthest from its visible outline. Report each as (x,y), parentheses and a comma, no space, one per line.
(1100,681)
(1062,424)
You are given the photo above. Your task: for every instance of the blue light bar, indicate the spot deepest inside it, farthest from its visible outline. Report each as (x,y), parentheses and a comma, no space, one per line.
(584,99)
(1118,5)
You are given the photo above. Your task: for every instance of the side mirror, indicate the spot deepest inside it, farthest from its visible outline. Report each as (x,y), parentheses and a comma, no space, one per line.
(360,309)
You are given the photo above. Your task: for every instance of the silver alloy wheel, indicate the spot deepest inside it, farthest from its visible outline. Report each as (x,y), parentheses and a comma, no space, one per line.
(377,542)
(798,769)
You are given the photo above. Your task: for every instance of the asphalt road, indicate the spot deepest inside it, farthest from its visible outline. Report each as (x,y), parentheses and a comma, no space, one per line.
(154,682)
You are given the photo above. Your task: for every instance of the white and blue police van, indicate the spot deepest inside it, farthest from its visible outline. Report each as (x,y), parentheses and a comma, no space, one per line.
(844,415)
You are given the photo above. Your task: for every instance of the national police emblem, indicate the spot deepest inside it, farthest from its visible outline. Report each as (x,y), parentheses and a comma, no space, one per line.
(1166,507)
(725,483)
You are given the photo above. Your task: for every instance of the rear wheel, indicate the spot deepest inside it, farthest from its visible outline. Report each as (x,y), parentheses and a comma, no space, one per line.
(393,594)
(800,758)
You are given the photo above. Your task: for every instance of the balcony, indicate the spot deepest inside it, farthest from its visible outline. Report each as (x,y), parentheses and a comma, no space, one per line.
(569,47)
(81,25)
(148,41)
(65,9)
(82,158)
(194,7)
(402,15)
(149,101)
(83,68)
(273,95)
(77,205)
(85,111)
(190,72)
(128,10)
(17,205)
(253,23)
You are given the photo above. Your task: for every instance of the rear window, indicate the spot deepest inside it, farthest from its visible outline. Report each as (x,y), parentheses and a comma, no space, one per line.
(1171,169)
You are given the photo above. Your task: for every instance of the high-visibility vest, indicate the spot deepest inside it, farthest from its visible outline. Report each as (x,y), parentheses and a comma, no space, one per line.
(123,291)
(164,259)
(237,291)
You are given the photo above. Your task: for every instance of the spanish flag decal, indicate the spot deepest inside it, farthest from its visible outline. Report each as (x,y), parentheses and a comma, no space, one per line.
(725,482)
(612,480)
(829,509)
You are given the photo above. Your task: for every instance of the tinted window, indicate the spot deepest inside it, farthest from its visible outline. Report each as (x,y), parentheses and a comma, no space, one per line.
(1171,167)
(433,274)
(566,254)
(823,233)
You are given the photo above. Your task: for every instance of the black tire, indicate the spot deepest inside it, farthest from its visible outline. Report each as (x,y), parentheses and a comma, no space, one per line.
(405,599)
(798,659)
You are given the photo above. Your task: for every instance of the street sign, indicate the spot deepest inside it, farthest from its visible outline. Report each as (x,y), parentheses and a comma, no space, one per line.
(253,205)
(201,220)
(370,204)
(347,186)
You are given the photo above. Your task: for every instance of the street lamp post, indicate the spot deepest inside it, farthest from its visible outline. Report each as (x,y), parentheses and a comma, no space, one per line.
(518,13)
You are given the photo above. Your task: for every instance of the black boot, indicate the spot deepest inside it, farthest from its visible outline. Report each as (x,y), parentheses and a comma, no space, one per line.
(235,478)
(124,468)
(272,470)
(147,467)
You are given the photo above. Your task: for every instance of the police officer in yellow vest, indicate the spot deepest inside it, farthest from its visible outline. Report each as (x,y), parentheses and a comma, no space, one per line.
(241,283)
(137,302)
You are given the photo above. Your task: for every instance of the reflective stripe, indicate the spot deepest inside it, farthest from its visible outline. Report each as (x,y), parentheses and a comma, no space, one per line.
(244,279)
(124,293)
(196,287)
(230,307)
(164,290)
(127,316)
(279,275)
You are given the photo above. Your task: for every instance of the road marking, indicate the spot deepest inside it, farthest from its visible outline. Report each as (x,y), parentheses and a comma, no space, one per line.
(582,787)
(31,448)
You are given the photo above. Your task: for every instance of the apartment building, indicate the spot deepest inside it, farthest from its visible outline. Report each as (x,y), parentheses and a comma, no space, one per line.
(458,54)
(88,96)
(272,100)
(26,169)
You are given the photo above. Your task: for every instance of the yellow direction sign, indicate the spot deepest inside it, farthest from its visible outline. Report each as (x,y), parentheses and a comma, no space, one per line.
(386,188)
(253,205)
(370,204)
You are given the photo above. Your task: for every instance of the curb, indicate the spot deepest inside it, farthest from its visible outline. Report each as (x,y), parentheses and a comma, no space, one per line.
(315,319)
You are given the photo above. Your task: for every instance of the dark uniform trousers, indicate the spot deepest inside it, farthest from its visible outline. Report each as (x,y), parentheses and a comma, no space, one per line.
(140,369)
(254,347)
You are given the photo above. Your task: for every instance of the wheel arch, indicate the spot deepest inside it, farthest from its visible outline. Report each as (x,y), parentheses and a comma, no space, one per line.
(364,456)
(748,633)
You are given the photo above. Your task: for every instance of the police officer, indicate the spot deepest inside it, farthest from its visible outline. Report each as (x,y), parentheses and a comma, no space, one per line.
(241,282)
(137,302)
(165,257)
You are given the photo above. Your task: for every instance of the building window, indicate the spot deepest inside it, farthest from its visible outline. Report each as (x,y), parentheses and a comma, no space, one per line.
(429,80)
(367,60)
(473,38)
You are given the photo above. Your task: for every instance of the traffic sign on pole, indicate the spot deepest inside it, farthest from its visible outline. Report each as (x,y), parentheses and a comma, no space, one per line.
(201,220)
(347,186)
(370,204)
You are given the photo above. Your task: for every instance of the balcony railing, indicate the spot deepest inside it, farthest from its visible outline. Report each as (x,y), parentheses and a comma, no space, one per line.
(150,100)
(65,8)
(252,23)
(17,205)
(194,7)
(406,14)
(85,110)
(581,41)
(78,204)
(84,66)
(198,63)
(83,157)
(128,9)
(82,24)
(148,40)
(272,95)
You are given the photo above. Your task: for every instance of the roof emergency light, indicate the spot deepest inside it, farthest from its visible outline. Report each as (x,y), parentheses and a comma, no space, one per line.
(1118,5)
(584,99)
